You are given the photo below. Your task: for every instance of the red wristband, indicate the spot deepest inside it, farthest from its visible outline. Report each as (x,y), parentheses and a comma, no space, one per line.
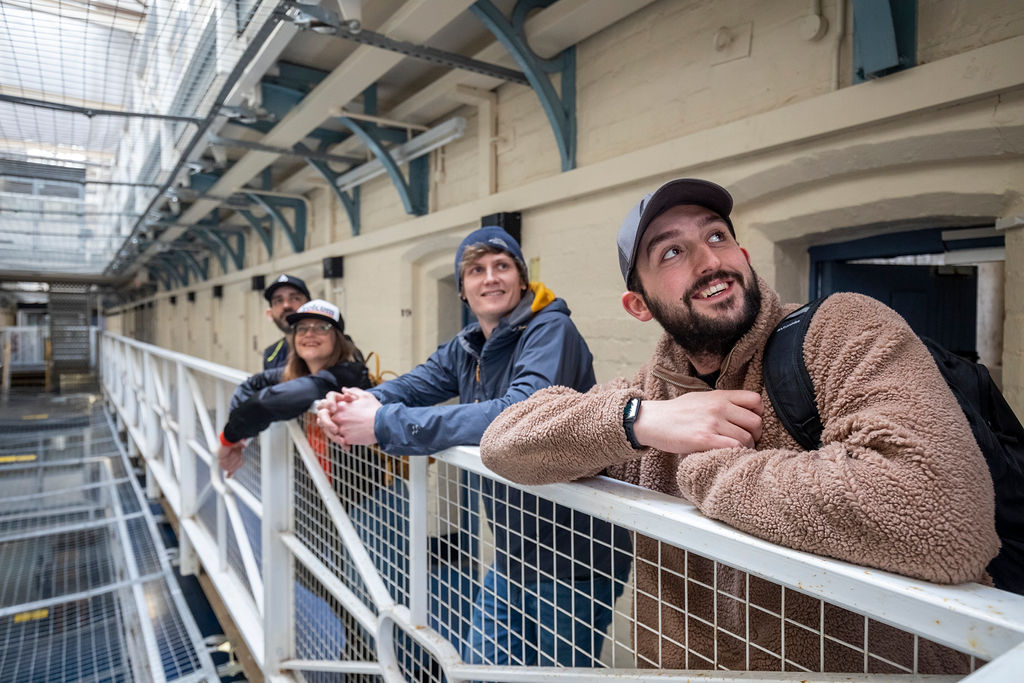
(224,442)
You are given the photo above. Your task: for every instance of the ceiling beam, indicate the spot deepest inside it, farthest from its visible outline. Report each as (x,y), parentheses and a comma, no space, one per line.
(415,21)
(549,31)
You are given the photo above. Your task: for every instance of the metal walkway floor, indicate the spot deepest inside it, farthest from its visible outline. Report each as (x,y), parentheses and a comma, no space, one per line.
(86,589)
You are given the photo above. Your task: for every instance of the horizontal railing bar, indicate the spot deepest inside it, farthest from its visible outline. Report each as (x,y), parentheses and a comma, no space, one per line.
(65,491)
(371,668)
(68,528)
(80,595)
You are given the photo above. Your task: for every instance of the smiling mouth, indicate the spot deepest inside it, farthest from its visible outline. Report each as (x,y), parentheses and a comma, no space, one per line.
(494,293)
(713,290)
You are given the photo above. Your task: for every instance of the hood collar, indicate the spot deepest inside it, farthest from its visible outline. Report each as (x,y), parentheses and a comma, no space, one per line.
(536,298)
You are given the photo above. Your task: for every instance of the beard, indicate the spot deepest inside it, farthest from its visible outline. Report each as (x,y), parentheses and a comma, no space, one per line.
(282,323)
(699,334)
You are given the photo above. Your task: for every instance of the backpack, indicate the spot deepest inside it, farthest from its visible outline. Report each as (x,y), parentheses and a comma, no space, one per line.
(997,430)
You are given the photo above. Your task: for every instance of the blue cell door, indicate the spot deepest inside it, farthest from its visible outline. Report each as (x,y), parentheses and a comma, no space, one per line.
(939,302)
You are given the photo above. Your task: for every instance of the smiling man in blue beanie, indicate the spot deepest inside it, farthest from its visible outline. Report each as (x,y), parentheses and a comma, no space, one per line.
(563,571)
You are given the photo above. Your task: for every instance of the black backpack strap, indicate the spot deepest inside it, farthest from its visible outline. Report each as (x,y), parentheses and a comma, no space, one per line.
(786,379)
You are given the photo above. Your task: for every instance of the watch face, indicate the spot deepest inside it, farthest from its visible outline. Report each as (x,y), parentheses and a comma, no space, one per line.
(632,406)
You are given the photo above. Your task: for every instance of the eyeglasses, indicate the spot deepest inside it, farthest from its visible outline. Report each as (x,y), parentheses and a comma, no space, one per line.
(311,328)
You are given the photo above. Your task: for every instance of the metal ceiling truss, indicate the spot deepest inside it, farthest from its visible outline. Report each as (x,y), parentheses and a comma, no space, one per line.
(163,263)
(320,20)
(288,84)
(559,108)
(300,150)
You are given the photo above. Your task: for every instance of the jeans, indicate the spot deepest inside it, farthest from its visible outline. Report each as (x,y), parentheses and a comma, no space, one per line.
(541,623)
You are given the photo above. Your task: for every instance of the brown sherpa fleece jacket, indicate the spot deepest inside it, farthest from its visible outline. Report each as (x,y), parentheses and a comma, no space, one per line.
(899,483)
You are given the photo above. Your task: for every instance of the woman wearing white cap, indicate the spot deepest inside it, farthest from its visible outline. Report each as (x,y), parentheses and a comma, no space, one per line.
(321,358)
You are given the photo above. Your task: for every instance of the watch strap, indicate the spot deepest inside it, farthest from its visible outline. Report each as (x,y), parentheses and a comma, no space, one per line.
(629,413)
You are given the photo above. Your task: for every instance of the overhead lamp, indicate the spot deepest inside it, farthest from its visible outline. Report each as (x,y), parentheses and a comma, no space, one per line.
(424,143)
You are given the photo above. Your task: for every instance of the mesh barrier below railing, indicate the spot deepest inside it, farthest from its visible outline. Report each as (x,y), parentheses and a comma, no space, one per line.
(435,569)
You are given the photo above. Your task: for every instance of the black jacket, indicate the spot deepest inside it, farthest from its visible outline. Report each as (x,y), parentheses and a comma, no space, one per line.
(264,398)
(276,355)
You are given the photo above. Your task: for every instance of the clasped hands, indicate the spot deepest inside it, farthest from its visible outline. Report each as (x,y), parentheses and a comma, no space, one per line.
(347,417)
(700,421)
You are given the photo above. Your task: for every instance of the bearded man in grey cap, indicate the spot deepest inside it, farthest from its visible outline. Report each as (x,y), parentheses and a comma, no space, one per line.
(696,422)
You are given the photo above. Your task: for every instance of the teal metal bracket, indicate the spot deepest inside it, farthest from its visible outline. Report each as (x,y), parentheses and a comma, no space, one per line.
(349,200)
(202,270)
(220,246)
(265,233)
(203,235)
(170,267)
(237,253)
(158,274)
(272,205)
(412,192)
(560,109)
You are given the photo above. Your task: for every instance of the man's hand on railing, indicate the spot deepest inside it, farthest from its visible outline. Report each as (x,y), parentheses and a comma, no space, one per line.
(347,417)
(700,421)
(230,458)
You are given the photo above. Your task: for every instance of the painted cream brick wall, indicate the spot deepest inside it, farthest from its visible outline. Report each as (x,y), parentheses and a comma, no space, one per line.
(1013,331)
(947,28)
(526,146)
(652,77)
(456,166)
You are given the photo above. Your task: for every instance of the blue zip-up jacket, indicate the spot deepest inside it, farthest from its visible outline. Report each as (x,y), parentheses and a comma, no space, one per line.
(533,347)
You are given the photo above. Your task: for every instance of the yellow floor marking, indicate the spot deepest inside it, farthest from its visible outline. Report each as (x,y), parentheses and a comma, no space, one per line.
(28,457)
(31,616)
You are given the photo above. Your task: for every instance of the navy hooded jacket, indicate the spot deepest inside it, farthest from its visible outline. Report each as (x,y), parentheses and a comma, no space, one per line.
(534,346)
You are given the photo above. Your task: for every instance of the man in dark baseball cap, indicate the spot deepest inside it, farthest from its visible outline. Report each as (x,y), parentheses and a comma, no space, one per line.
(285,295)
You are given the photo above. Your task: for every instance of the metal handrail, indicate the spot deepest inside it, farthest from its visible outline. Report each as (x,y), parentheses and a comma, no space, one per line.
(982,622)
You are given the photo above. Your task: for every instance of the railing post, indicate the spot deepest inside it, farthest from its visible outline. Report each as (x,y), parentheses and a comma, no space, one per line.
(5,381)
(189,563)
(276,483)
(419,562)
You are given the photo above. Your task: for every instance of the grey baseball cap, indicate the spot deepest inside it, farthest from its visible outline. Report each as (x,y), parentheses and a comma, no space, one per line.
(673,193)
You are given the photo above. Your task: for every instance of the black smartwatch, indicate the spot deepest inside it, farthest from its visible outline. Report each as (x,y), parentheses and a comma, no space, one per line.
(629,414)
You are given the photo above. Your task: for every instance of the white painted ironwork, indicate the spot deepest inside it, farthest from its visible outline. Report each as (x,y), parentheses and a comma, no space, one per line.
(357,562)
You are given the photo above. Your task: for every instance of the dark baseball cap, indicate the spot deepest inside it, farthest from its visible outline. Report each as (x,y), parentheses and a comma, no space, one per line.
(289,280)
(673,193)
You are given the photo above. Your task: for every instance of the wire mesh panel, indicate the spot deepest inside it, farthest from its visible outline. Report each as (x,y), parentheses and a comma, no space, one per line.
(82,640)
(86,593)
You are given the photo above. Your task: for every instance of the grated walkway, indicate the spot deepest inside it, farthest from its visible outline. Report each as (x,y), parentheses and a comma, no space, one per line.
(86,589)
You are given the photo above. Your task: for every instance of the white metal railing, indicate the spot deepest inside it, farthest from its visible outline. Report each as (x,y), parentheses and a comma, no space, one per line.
(358,562)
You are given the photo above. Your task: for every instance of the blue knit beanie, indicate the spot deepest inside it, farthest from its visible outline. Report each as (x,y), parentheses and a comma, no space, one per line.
(488,236)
